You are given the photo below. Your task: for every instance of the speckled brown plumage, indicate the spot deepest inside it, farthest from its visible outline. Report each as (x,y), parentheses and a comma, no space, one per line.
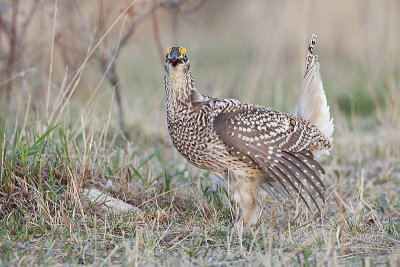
(249,144)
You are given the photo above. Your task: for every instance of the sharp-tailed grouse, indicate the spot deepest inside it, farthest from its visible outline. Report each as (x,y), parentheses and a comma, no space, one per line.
(251,145)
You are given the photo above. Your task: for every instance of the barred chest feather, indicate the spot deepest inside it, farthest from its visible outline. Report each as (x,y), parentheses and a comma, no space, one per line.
(192,133)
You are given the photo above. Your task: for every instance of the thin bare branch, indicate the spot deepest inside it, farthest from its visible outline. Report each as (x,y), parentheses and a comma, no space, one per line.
(192,9)
(12,47)
(28,18)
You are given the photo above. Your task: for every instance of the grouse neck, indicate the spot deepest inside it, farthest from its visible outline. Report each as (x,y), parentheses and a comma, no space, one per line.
(179,89)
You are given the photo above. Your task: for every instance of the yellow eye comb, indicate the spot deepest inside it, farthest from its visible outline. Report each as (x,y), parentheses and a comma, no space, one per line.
(183,50)
(167,50)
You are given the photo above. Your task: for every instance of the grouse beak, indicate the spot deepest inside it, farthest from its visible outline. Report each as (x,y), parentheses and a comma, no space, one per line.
(174,61)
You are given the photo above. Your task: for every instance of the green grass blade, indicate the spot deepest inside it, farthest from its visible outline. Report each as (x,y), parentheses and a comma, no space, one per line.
(152,155)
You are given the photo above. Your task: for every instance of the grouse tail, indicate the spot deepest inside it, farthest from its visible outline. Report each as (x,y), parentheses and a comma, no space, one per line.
(312,105)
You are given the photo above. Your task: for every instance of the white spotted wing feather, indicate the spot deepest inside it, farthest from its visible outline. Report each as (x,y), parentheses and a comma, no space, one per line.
(278,143)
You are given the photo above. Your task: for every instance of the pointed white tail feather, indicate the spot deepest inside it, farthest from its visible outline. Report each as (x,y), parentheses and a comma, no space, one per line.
(312,105)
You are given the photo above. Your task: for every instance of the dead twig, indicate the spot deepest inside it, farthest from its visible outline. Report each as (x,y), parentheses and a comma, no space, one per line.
(15,32)
(12,48)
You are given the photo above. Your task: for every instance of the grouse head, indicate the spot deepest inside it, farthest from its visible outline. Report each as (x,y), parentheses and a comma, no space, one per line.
(176,58)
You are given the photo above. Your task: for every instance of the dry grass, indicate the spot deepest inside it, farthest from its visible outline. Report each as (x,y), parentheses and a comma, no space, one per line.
(185,217)
(51,153)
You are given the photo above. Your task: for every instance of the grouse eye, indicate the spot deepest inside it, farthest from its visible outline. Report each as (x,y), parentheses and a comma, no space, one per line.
(167,50)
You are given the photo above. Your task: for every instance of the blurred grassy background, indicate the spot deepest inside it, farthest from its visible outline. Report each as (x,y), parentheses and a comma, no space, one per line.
(253,50)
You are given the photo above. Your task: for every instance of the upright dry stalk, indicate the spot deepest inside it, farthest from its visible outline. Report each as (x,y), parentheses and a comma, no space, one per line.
(51,59)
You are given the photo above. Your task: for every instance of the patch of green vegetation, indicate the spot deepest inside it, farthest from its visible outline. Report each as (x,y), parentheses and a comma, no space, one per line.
(359,101)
